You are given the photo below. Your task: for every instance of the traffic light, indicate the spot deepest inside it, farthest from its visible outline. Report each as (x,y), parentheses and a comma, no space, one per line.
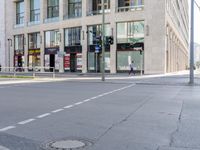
(110,40)
(99,41)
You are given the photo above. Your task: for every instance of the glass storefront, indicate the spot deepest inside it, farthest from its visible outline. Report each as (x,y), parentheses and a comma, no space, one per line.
(51,59)
(73,50)
(94,56)
(130,45)
(19,52)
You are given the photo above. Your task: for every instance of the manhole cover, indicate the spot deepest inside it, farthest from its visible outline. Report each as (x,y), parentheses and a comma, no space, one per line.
(67,144)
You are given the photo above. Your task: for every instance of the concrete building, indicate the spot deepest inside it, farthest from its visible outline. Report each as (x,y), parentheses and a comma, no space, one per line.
(64,34)
(2,33)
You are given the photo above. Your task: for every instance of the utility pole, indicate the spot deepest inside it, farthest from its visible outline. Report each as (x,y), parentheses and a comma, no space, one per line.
(103,41)
(192,45)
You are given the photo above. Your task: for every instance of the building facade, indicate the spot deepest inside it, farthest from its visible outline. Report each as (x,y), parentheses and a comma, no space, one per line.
(63,34)
(2,33)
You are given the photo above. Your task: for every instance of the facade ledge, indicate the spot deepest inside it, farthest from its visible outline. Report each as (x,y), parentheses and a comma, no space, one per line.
(130,8)
(19,25)
(33,23)
(50,20)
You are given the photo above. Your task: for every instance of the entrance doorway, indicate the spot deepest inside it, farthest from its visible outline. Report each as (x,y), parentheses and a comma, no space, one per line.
(52,62)
(73,62)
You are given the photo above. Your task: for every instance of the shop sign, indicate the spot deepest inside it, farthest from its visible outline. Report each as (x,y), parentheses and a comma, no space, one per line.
(34,51)
(51,50)
(67,62)
(79,61)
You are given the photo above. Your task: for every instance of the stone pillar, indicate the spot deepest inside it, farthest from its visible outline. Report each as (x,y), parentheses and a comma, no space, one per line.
(113,48)
(61,9)
(42,49)
(61,49)
(84,49)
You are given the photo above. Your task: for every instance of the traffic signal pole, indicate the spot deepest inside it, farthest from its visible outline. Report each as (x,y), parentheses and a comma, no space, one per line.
(192,45)
(103,42)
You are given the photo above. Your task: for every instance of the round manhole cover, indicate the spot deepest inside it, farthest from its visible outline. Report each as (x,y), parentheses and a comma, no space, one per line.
(67,144)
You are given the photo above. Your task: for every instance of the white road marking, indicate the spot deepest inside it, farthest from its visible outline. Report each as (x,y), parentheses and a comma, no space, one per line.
(69,106)
(66,107)
(7,128)
(26,121)
(78,103)
(44,115)
(58,110)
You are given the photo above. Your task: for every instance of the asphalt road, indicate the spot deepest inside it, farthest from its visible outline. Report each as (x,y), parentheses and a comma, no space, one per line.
(150,114)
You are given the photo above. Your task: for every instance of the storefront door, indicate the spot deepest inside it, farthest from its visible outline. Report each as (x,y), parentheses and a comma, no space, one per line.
(73,61)
(52,62)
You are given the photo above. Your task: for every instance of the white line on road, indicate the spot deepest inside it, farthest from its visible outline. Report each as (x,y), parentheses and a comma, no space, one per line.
(66,107)
(7,128)
(69,106)
(26,121)
(44,115)
(58,110)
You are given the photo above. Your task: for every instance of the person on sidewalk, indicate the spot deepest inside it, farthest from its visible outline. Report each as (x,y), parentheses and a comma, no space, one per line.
(132,68)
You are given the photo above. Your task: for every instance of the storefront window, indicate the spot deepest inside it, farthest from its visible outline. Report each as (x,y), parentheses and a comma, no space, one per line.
(130,32)
(34,10)
(124,59)
(34,40)
(20,12)
(52,8)
(19,42)
(95,31)
(75,8)
(73,36)
(52,38)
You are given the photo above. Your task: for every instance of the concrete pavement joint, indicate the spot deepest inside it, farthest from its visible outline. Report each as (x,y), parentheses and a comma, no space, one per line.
(61,109)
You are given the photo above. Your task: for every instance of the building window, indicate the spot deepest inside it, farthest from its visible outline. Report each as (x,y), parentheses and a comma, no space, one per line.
(130,5)
(130,32)
(75,8)
(20,12)
(52,8)
(34,10)
(19,42)
(52,38)
(95,32)
(96,7)
(34,40)
(73,36)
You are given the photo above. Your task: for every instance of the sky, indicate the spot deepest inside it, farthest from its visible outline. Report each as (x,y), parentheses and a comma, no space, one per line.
(197,23)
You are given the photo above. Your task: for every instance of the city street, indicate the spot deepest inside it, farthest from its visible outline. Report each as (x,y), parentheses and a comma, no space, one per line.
(135,114)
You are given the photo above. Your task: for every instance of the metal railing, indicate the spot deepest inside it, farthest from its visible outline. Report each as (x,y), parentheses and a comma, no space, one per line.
(27,71)
(130,8)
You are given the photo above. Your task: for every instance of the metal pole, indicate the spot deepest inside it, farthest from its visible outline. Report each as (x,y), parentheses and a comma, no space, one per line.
(141,64)
(192,45)
(103,41)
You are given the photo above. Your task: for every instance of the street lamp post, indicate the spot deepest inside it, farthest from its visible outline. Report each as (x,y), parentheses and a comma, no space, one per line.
(192,45)
(103,41)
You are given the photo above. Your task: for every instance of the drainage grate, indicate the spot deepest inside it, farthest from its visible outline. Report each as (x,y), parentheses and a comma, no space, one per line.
(67,144)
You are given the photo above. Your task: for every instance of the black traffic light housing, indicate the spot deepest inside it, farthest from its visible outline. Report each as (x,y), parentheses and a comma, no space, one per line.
(109,40)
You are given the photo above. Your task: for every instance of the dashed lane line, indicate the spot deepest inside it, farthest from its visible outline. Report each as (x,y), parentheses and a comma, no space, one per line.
(43,115)
(62,109)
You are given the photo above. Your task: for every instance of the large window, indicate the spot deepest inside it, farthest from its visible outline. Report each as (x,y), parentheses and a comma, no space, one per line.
(52,38)
(97,7)
(52,8)
(75,8)
(130,32)
(19,42)
(20,12)
(34,40)
(73,36)
(125,3)
(95,32)
(34,10)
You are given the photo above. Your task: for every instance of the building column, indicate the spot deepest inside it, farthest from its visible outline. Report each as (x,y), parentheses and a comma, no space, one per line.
(113,48)
(26,51)
(42,49)
(84,49)
(61,50)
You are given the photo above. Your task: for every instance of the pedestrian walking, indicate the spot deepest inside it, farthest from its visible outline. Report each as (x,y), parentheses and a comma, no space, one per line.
(132,68)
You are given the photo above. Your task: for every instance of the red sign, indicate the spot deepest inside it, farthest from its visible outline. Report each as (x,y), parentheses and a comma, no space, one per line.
(67,62)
